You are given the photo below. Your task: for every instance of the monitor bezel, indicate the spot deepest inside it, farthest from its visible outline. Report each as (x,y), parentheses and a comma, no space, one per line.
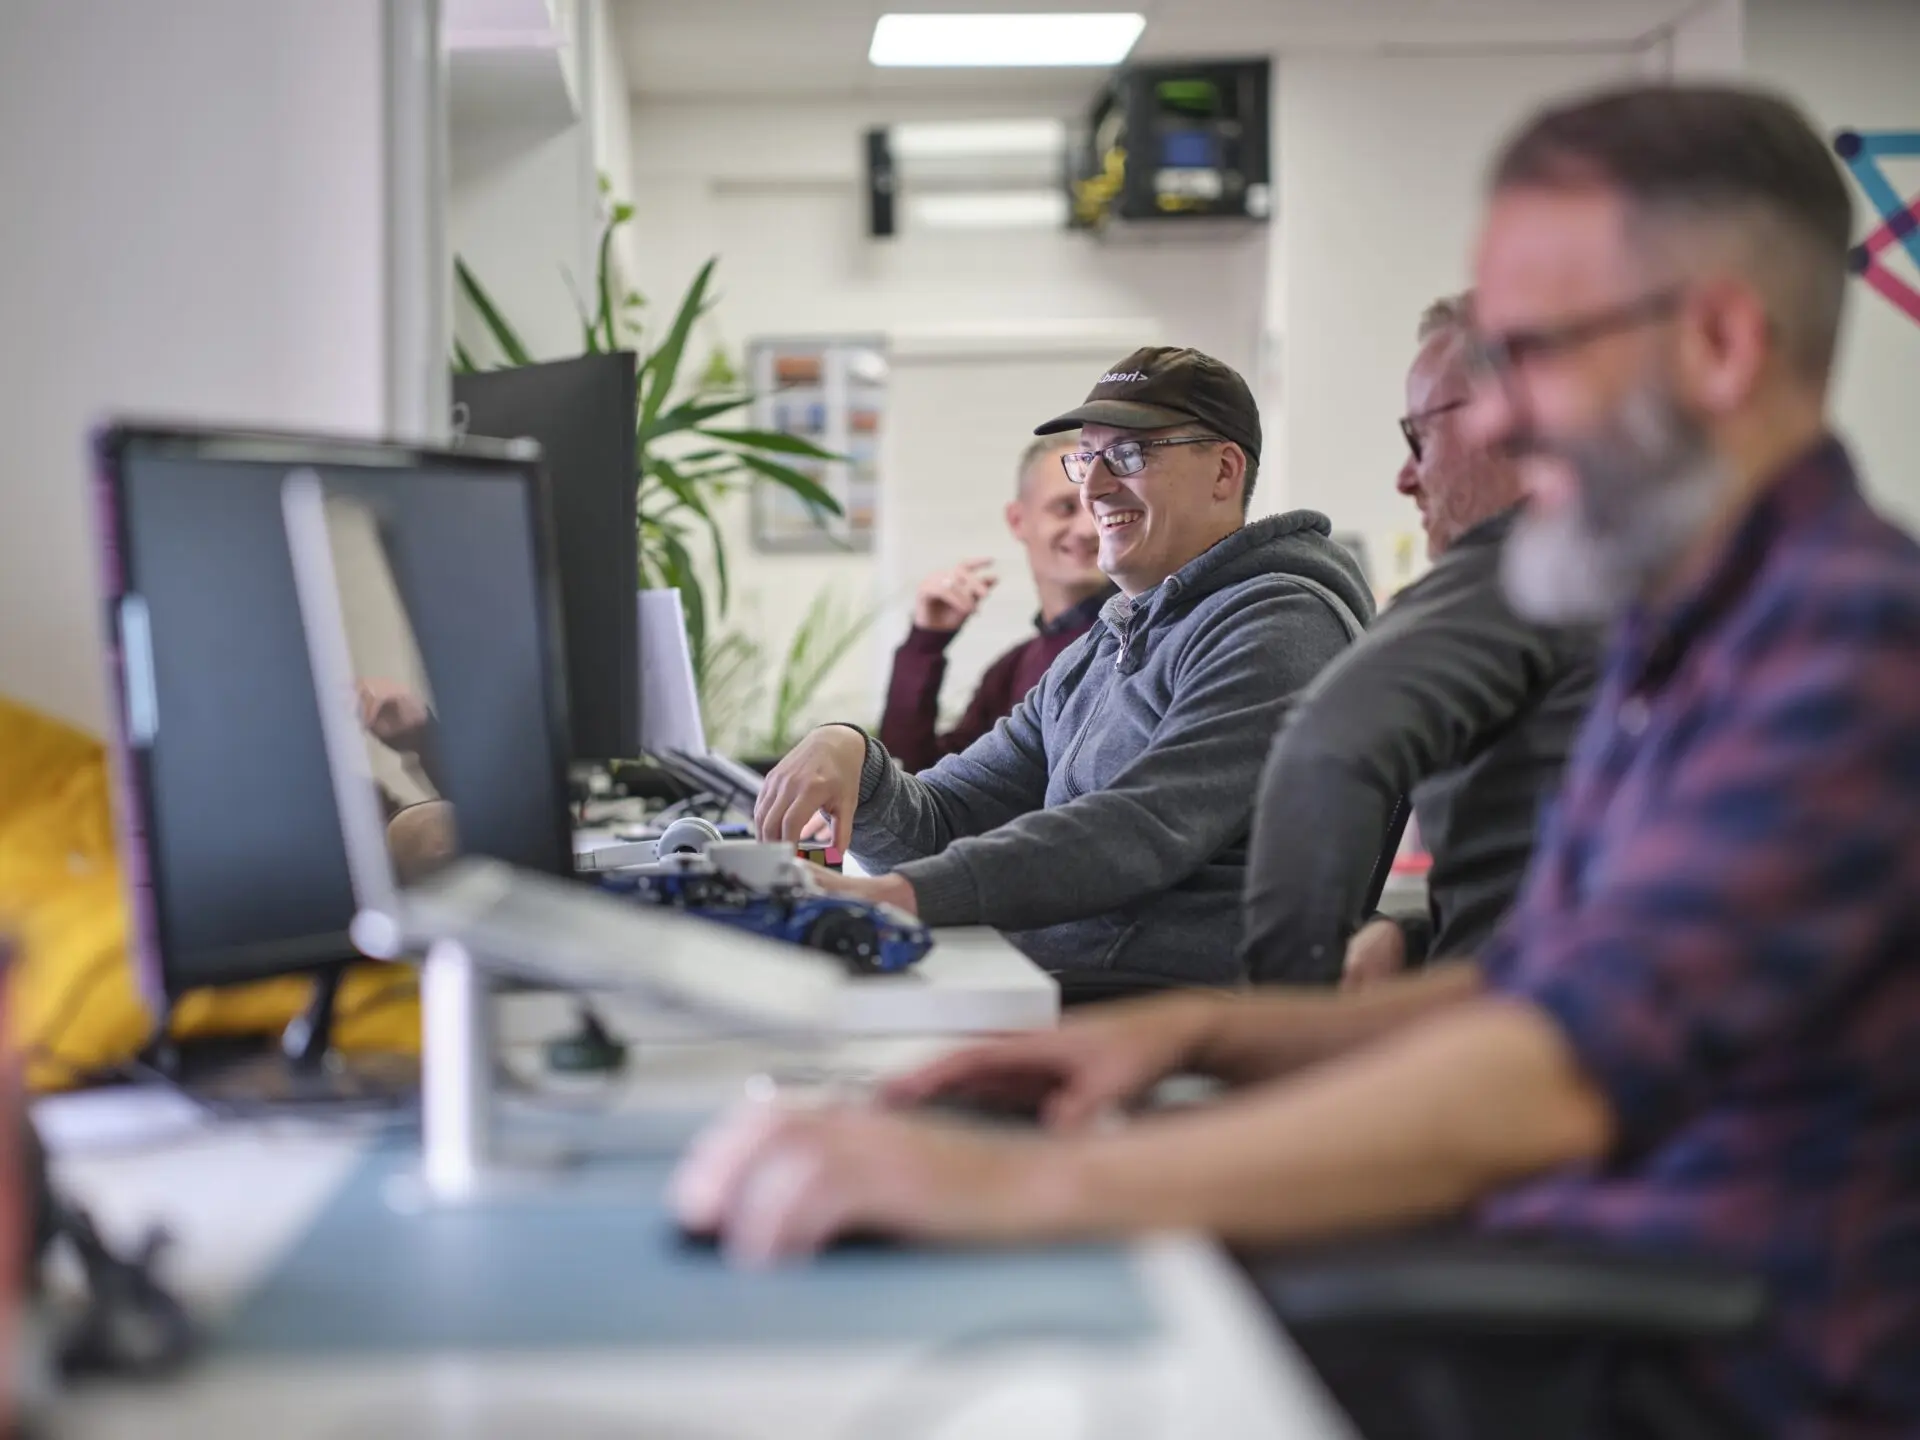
(135,804)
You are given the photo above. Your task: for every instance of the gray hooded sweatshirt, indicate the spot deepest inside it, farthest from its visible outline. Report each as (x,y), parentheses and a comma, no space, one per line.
(1103,824)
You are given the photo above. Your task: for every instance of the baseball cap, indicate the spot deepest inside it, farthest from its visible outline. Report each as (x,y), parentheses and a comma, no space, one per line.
(1169,385)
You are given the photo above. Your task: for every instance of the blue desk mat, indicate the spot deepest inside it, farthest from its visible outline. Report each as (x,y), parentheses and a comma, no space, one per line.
(591,1261)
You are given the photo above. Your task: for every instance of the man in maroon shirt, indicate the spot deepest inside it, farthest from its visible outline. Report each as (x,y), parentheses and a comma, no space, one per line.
(1062,551)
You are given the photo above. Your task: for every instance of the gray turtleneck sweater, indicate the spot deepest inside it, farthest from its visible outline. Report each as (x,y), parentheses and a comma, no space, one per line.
(1451,697)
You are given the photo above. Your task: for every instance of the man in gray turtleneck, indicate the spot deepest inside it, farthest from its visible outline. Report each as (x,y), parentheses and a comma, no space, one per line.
(1451,697)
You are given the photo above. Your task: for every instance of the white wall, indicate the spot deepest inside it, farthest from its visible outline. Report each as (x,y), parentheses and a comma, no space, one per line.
(1382,162)
(1851,64)
(611,117)
(537,120)
(521,215)
(191,217)
(1709,42)
(778,193)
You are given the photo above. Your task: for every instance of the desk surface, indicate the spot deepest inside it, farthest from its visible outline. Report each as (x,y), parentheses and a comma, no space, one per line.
(242,1198)
(972,980)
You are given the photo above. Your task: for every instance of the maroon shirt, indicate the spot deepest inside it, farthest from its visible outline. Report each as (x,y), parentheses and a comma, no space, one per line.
(909,728)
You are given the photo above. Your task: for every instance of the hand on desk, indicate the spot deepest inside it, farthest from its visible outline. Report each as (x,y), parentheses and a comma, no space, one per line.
(775,1182)
(821,776)
(1072,1075)
(1377,951)
(874,889)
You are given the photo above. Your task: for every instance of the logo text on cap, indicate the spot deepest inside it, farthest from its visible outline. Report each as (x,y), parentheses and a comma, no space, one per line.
(1115,376)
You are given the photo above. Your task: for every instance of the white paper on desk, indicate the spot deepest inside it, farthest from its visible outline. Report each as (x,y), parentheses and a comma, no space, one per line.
(669,703)
(116,1118)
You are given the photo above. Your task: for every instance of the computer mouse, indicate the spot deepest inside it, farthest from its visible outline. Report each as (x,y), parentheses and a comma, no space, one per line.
(981,1111)
(708,1241)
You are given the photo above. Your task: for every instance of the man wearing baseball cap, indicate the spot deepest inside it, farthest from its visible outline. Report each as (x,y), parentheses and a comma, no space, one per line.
(1104,822)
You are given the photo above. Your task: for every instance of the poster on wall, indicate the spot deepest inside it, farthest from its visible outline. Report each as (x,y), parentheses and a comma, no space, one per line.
(1863,151)
(831,392)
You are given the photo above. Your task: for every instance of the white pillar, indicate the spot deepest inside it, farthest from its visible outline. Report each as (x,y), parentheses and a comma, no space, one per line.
(419,266)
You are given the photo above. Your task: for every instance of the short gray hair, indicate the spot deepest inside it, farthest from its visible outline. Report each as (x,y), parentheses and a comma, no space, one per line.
(1451,314)
(1744,164)
(1042,445)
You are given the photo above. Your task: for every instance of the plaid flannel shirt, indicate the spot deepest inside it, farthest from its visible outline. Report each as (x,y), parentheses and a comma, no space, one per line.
(1723,917)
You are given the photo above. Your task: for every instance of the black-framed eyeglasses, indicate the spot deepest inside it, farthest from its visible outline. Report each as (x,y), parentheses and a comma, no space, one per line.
(1410,425)
(1504,352)
(1125,457)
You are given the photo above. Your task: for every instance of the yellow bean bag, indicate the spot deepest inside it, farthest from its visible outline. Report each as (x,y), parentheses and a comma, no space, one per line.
(76,1009)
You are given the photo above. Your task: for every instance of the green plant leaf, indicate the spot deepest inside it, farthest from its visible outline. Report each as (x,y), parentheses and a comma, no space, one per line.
(804,486)
(719,373)
(462,359)
(608,317)
(825,637)
(689,413)
(777,441)
(490,316)
(651,365)
(688,494)
(731,689)
(681,575)
(663,365)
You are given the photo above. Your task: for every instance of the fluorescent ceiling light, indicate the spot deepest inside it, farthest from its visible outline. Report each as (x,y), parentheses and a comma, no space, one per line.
(961,40)
(989,210)
(941,139)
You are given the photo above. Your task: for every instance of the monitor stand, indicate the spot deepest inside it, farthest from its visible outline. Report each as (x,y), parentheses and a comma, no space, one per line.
(306,1069)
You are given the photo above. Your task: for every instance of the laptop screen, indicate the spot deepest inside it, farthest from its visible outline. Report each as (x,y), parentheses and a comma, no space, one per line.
(246,872)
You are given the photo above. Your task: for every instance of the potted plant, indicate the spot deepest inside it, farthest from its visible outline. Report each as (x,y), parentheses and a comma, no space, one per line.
(689,453)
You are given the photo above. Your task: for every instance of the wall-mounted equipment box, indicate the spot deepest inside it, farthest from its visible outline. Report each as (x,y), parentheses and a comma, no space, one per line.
(1171,142)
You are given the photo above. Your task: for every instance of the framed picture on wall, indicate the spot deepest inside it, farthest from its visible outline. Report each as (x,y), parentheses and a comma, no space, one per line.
(833,393)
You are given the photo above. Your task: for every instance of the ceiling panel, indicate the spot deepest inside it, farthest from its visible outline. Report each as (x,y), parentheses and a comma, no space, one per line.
(818,48)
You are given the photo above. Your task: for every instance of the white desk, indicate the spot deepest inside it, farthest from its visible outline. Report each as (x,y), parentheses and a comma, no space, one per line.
(238,1196)
(972,982)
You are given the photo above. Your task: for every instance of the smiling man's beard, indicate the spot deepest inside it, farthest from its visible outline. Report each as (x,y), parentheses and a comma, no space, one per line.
(1647,485)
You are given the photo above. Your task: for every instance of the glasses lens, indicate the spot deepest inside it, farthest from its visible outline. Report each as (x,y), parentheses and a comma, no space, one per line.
(1412,436)
(1126,458)
(1077,464)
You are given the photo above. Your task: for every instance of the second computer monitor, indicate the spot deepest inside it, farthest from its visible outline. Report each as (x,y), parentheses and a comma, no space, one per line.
(232,838)
(584,414)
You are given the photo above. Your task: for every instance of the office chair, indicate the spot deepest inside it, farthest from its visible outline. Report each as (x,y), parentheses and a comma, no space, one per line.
(1096,987)
(1446,1336)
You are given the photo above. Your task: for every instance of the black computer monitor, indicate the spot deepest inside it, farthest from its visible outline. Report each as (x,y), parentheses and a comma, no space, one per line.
(584,414)
(233,840)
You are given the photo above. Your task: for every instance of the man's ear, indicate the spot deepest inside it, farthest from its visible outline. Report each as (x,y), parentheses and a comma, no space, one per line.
(1231,476)
(1017,520)
(1724,343)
